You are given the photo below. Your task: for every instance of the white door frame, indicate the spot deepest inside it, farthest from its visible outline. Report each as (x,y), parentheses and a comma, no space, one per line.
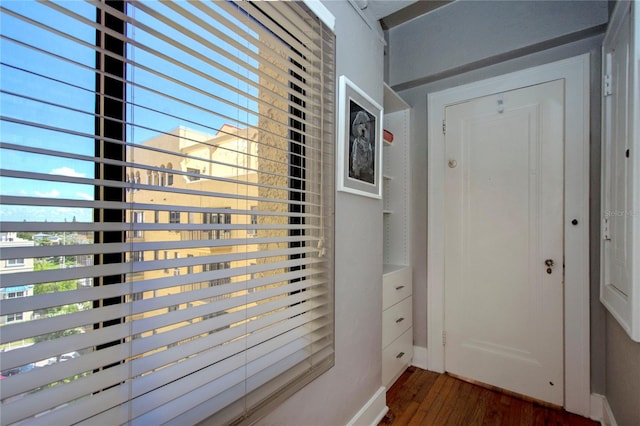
(575,72)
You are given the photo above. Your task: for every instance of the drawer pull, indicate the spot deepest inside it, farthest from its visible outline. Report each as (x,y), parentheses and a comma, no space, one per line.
(400,355)
(400,287)
(399,320)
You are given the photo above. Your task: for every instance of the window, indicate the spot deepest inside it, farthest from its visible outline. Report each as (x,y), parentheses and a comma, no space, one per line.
(162,180)
(174,217)
(14,317)
(15,262)
(94,92)
(136,217)
(217,267)
(193,174)
(190,266)
(137,256)
(218,232)
(169,175)
(253,221)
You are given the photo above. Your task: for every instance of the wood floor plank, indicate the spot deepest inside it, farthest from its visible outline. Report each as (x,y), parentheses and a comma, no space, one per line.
(441,416)
(462,401)
(403,418)
(424,398)
(493,414)
(432,399)
(476,416)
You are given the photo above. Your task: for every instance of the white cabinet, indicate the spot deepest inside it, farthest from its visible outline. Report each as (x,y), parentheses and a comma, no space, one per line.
(620,249)
(397,330)
(397,285)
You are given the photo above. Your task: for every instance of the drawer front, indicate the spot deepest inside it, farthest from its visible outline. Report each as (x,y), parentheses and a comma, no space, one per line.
(396,357)
(396,286)
(396,320)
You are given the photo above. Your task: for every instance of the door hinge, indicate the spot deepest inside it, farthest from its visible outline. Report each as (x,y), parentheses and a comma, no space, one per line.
(444,127)
(444,338)
(605,229)
(606,85)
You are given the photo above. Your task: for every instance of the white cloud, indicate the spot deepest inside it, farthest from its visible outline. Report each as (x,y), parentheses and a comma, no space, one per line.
(54,193)
(84,196)
(66,171)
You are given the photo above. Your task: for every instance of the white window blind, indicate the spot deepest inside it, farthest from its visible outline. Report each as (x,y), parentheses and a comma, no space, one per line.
(166,181)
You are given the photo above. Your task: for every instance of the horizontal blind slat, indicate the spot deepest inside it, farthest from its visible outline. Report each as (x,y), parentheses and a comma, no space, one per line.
(53,397)
(168,59)
(84,409)
(42,376)
(193,19)
(49,348)
(25,330)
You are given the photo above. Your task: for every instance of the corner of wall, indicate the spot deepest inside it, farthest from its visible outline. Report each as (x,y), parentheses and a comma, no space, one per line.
(420,357)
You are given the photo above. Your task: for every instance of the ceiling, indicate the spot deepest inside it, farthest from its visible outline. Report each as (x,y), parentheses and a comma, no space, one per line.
(395,12)
(381,8)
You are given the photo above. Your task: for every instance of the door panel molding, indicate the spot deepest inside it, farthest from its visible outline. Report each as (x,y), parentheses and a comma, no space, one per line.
(575,72)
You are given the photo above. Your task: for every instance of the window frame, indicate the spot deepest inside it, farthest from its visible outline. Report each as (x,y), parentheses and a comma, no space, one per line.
(116,183)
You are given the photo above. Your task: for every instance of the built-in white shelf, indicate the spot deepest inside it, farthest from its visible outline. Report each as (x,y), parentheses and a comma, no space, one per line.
(388,268)
(397,283)
(396,180)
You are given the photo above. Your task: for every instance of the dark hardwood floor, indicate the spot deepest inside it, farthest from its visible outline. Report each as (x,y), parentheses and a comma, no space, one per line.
(421,397)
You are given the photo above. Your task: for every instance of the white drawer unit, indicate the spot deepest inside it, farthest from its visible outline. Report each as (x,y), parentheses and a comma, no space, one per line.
(396,284)
(397,321)
(396,358)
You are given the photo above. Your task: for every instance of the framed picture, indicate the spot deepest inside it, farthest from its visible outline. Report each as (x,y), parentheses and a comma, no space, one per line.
(359,155)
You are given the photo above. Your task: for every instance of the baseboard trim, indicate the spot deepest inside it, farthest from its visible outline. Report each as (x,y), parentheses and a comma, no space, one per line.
(607,418)
(373,411)
(596,407)
(420,357)
(601,410)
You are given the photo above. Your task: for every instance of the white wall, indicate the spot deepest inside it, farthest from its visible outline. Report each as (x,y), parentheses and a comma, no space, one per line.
(335,397)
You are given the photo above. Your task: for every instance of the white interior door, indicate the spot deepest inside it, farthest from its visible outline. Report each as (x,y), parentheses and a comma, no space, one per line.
(504,240)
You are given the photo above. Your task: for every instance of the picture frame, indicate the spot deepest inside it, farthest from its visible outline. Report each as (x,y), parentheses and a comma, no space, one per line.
(359,148)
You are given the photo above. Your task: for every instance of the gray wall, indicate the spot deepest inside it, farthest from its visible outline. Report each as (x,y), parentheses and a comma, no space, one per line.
(477,33)
(469,41)
(623,374)
(336,396)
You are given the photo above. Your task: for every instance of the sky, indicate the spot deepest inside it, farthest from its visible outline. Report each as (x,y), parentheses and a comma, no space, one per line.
(67,99)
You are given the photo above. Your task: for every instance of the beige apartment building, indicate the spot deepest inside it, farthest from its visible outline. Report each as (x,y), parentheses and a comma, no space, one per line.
(206,172)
